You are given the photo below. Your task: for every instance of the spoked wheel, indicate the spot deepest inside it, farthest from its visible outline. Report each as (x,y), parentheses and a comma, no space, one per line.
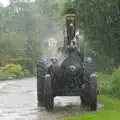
(48,91)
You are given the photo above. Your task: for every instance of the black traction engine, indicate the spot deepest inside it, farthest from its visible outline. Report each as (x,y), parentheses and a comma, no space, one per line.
(73,75)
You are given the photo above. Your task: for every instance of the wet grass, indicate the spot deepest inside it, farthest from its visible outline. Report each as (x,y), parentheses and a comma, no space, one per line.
(111,111)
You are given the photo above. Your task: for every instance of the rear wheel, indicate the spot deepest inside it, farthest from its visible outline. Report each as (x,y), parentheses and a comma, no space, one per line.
(40,85)
(91,83)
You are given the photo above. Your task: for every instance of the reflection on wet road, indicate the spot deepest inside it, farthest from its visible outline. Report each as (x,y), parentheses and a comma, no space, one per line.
(18,102)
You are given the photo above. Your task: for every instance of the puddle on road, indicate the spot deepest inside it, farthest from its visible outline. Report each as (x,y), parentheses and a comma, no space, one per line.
(64,106)
(18,101)
(4,84)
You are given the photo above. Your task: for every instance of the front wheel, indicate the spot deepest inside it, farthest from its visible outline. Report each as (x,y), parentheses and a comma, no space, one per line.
(84,102)
(48,91)
(93,92)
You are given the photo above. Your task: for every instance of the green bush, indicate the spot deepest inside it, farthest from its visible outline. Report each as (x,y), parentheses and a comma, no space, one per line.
(13,70)
(26,73)
(115,85)
(26,63)
(6,75)
(110,83)
(104,82)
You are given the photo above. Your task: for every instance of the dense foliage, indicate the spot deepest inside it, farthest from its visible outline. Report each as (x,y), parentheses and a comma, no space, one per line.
(24,25)
(110,83)
(13,71)
(100,21)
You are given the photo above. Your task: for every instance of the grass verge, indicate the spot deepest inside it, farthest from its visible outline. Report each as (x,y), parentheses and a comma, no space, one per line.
(111,111)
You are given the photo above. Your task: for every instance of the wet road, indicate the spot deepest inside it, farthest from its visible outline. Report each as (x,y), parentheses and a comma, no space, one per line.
(18,102)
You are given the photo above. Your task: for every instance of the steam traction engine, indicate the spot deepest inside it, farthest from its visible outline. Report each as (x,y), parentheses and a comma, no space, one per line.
(74,76)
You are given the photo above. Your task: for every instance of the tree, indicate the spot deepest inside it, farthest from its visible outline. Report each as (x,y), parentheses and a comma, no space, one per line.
(25,24)
(100,21)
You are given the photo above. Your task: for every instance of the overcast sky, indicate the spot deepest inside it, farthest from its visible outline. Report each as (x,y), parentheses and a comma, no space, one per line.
(5,2)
